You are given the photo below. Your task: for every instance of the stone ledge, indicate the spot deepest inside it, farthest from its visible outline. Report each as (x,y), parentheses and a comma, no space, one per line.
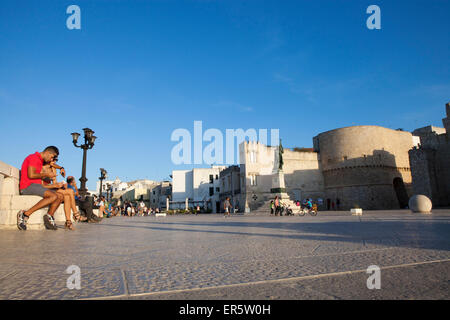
(10,206)
(8,219)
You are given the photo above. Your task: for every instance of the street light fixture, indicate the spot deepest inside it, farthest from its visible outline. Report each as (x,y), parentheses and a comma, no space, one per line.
(89,140)
(108,191)
(102,177)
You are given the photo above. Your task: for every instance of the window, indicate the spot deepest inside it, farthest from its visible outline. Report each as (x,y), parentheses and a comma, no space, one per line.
(252,156)
(253,179)
(217,176)
(211,178)
(153,191)
(217,189)
(211,191)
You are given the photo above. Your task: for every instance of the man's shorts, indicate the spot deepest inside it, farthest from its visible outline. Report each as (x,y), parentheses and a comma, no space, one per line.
(34,190)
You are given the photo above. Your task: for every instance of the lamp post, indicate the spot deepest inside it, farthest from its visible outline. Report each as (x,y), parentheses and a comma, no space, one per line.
(89,140)
(111,193)
(108,191)
(102,177)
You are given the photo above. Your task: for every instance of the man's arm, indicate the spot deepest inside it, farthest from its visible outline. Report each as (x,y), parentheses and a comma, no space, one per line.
(61,169)
(32,174)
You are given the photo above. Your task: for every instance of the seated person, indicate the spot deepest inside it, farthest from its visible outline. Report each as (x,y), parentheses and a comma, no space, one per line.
(101,207)
(66,195)
(84,206)
(71,183)
(31,184)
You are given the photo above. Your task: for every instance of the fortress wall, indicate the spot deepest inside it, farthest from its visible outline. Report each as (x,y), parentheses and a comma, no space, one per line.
(362,145)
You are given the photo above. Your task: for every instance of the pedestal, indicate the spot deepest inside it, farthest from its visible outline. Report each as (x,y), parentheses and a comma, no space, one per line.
(278,186)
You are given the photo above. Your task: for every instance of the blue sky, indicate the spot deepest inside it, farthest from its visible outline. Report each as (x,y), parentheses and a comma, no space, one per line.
(138,70)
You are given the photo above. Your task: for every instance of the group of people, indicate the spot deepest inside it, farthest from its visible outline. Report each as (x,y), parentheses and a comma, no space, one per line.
(38,177)
(138,209)
(277,209)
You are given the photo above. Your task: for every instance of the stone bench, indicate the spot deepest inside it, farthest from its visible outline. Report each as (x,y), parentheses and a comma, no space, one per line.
(11,202)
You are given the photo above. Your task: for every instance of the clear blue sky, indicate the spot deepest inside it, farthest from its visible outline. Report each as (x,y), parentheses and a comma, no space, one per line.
(137,70)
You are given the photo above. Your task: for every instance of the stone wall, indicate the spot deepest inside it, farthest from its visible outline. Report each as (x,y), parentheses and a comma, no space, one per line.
(430,162)
(423,172)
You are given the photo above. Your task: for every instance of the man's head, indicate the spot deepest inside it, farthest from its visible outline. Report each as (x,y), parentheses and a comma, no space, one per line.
(70,180)
(50,153)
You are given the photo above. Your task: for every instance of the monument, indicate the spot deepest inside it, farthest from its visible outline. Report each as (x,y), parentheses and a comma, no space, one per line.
(278,185)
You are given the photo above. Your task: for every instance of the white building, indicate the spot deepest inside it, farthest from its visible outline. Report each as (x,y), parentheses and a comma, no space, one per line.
(200,186)
(116,184)
(159,194)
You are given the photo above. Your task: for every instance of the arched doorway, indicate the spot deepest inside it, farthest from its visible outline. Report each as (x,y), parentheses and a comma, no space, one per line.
(400,191)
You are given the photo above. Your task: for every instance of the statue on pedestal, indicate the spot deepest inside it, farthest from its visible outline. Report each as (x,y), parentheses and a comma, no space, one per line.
(278,176)
(278,165)
(280,156)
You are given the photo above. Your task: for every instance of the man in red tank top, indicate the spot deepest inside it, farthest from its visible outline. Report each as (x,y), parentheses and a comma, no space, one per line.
(30,184)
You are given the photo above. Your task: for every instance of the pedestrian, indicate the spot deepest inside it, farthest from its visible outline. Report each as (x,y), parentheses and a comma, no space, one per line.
(226,207)
(277,206)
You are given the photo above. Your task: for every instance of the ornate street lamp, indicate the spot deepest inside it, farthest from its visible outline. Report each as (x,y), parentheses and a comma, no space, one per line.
(102,177)
(108,191)
(89,140)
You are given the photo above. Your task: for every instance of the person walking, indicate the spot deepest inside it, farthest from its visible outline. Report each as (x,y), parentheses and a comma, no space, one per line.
(226,207)
(277,206)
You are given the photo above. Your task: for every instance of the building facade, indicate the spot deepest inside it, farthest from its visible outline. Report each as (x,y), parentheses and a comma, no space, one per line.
(230,186)
(430,162)
(201,186)
(159,194)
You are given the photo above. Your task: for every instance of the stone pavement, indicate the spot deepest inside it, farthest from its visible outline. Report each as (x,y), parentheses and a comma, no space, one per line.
(241,257)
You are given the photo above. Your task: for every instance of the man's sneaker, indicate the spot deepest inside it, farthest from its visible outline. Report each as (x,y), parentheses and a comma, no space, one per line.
(22,220)
(49,222)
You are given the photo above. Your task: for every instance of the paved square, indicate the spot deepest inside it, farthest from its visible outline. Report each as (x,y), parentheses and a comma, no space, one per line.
(241,257)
